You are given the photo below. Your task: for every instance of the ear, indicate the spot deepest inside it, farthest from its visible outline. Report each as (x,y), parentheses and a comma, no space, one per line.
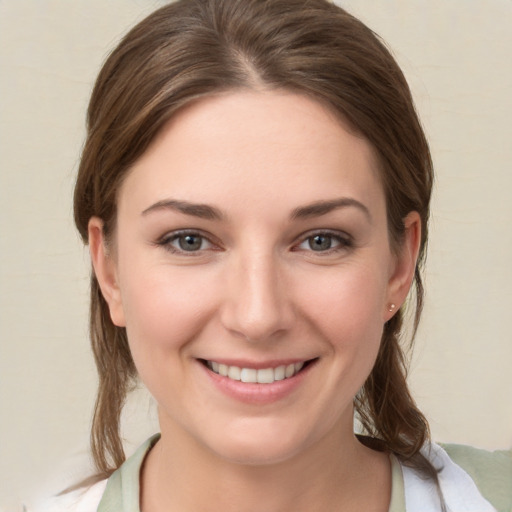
(404,267)
(105,269)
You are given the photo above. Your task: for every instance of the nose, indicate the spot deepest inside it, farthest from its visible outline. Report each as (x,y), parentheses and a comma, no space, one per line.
(257,303)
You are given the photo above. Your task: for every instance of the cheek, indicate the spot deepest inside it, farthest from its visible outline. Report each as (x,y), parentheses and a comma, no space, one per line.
(165,309)
(344,311)
(347,305)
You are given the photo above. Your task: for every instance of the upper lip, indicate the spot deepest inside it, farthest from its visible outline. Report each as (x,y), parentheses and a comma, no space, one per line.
(257,365)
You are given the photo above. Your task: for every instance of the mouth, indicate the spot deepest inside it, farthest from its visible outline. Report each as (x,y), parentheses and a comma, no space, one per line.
(257,375)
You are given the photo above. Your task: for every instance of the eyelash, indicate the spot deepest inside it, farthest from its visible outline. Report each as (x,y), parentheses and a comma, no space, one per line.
(166,242)
(343,241)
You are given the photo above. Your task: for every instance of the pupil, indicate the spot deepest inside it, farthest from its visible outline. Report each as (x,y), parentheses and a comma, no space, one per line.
(190,242)
(320,243)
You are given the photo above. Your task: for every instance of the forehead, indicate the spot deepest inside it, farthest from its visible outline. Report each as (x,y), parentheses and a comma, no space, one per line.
(242,148)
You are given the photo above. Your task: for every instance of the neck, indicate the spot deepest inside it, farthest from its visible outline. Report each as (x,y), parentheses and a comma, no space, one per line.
(335,474)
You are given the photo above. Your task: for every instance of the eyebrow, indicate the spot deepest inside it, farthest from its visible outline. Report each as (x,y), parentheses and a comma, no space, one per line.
(319,208)
(202,211)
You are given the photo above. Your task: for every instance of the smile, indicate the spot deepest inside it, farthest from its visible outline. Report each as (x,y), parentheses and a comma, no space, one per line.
(253,375)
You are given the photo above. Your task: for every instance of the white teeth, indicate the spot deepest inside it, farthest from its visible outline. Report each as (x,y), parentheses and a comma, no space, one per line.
(251,375)
(248,375)
(266,376)
(290,370)
(234,373)
(279,373)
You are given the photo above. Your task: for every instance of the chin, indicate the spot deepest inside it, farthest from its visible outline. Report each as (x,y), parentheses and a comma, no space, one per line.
(257,454)
(258,446)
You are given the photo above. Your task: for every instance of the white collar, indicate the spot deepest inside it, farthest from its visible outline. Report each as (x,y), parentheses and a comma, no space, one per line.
(458,489)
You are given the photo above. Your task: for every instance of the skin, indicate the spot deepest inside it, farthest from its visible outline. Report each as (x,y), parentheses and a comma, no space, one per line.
(255,289)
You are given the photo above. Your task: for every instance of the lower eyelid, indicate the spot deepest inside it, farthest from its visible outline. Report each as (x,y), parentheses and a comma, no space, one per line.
(167,242)
(202,242)
(341,241)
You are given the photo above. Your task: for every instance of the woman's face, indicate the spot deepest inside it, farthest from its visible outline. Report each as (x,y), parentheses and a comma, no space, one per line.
(252,244)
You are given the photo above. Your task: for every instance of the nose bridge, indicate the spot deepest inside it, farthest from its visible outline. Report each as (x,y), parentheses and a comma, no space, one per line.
(257,303)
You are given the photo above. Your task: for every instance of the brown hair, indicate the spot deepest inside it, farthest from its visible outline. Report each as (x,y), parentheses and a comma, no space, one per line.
(194,48)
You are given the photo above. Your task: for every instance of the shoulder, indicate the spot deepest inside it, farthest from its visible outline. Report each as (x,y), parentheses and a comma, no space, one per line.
(81,500)
(491,472)
(123,485)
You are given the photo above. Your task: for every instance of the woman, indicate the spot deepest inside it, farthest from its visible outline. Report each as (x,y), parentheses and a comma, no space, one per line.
(255,191)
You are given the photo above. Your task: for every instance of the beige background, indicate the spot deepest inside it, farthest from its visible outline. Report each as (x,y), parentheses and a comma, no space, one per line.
(456,55)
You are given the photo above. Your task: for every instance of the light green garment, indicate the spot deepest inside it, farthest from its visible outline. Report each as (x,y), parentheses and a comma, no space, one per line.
(492,473)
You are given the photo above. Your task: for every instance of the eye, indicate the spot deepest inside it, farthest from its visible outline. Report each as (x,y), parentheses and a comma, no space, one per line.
(181,242)
(320,242)
(190,242)
(325,242)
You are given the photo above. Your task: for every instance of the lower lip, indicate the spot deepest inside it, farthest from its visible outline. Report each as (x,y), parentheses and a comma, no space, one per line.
(253,393)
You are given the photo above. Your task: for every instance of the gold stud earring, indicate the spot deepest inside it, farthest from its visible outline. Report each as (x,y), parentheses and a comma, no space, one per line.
(392,308)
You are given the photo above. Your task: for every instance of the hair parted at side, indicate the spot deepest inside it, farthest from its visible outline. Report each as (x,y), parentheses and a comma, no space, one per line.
(194,48)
